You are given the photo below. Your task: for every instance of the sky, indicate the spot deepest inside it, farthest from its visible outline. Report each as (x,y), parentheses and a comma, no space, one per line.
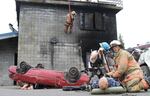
(133,21)
(8,15)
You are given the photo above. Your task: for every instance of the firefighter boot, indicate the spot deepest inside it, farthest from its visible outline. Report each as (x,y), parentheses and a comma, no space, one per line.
(146,72)
(147,79)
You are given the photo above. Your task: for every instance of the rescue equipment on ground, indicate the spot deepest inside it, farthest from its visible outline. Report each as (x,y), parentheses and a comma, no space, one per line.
(109,90)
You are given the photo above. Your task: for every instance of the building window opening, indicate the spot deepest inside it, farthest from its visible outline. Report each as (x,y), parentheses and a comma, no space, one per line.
(91,21)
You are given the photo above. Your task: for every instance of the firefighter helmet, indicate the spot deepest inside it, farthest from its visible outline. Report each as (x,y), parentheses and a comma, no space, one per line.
(73,13)
(115,43)
(105,46)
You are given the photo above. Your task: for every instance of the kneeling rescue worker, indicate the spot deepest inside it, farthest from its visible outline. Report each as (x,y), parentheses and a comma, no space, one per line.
(127,70)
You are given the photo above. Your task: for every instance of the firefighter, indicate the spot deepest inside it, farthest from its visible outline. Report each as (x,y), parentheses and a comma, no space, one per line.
(97,60)
(106,54)
(69,22)
(127,70)
(96,56)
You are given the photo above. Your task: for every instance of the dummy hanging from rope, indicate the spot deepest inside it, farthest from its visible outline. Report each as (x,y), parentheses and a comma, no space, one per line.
(69,20)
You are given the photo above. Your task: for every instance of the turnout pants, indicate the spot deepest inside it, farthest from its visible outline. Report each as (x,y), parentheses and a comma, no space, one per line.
(134,81)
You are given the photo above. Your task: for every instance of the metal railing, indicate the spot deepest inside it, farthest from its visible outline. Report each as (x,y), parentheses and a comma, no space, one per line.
(117,3)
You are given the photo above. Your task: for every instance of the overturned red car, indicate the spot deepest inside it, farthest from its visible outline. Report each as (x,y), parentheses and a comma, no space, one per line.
(49,77)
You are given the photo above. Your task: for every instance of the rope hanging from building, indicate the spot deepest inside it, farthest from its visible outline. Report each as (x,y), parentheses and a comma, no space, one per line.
(69,5)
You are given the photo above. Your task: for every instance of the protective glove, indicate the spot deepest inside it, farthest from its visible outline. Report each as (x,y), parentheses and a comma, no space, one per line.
(110,73)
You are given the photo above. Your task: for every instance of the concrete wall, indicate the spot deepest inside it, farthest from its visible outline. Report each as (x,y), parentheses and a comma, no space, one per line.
(39,25)
(8,48)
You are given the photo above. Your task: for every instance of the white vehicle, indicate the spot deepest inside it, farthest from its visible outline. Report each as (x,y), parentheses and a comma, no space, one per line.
(145,57)
(144,62)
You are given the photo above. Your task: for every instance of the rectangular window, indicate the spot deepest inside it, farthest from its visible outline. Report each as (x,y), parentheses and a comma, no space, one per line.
(91,21)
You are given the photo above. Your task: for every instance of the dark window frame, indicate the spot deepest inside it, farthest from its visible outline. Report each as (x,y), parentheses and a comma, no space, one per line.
(88,21)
